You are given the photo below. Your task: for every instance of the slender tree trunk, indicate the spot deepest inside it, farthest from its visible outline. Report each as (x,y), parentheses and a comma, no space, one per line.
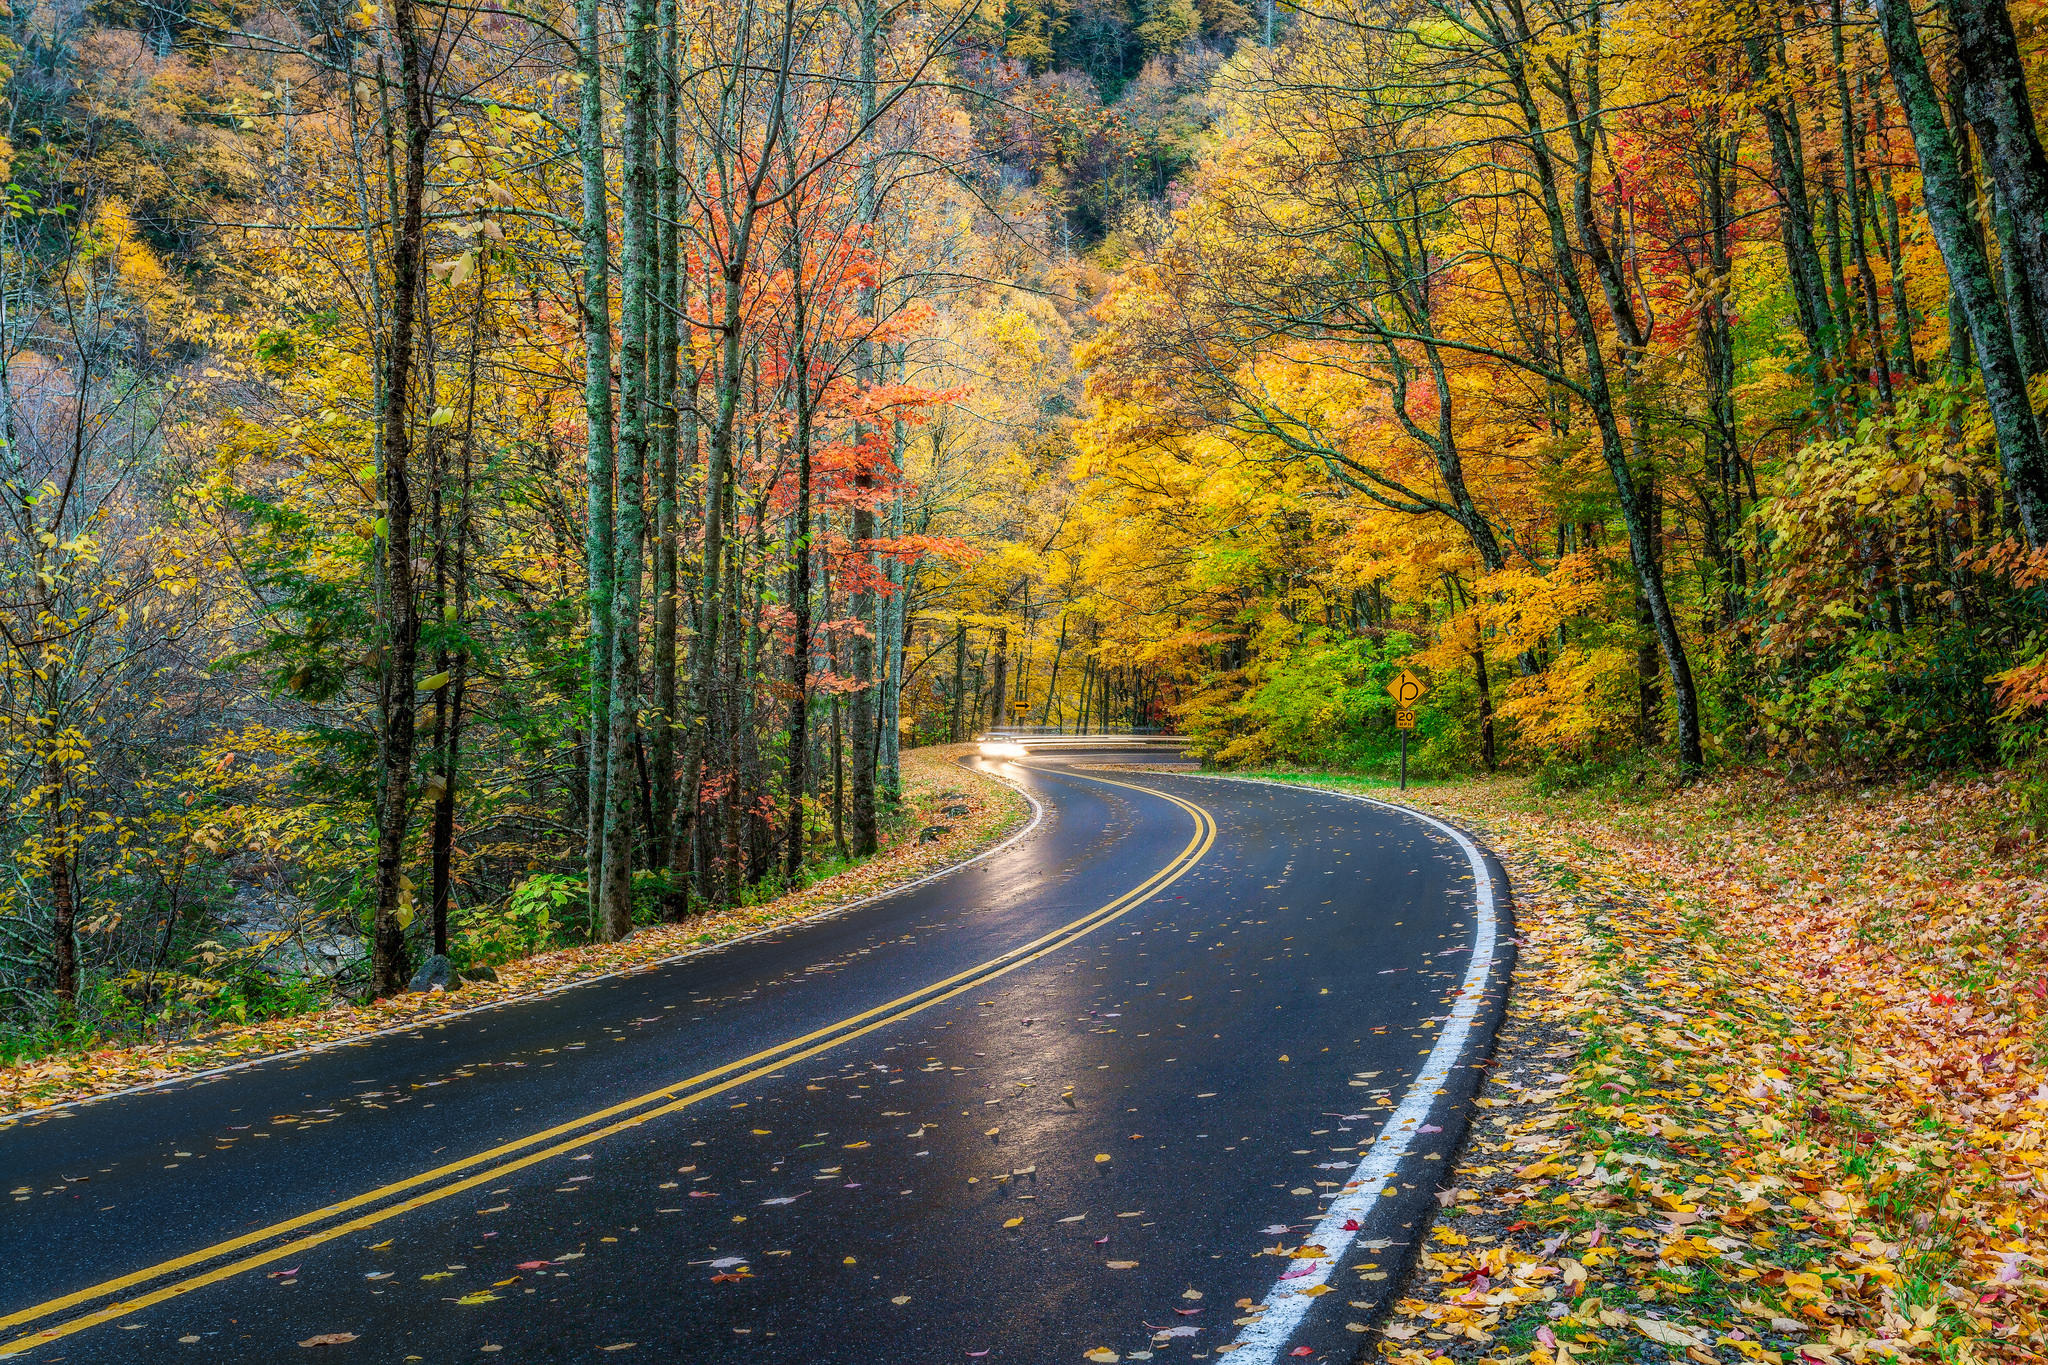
(63,891)
(799,572)
(1852,201)
(999,694)
(1486,750)
(1644,550)
(451,572)
(668,533)
(867,17)
(1795,217)
(597,420)
(954,730)
(1052,684)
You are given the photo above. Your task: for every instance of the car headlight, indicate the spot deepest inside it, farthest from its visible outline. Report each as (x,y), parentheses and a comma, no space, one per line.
(1001,748)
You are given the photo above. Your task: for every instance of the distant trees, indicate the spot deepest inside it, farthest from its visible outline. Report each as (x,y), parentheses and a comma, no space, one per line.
(543,431)
(1454,261)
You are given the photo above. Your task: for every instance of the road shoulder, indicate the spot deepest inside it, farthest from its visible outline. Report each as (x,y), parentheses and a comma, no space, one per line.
(997,812)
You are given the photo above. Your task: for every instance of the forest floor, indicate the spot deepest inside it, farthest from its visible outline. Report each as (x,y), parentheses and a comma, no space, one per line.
(931,783)
(1771,1087)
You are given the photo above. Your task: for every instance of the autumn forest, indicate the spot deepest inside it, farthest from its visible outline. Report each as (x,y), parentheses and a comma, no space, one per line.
(484,476)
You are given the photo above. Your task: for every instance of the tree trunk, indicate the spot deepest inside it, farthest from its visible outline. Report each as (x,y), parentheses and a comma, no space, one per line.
(1486,751)
(2020,445)
(1644,550)
(1995,100)
(1052,684)
(668,418)
(954,731)
(799,591)
(597,423)
(636,292)
(63,892)
(1795,219)
(868,16)
(387,953)
(999,692)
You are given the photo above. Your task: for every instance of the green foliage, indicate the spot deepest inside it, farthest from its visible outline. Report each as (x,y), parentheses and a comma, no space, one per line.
(1310,698)
(1880,699)
(549,910)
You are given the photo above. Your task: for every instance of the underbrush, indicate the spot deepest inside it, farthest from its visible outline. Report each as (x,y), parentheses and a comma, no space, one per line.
(243,1004)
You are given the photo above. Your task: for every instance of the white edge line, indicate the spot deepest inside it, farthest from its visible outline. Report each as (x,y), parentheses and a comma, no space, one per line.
(1262,1341)
(9,1120)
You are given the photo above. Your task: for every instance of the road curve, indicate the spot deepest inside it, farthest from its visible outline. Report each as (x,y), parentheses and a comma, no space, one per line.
(1089,1094)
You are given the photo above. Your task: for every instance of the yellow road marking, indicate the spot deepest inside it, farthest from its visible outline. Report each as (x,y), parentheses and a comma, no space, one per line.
(893,1011)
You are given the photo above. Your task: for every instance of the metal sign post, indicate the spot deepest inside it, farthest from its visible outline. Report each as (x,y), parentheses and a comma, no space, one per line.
(1406,690)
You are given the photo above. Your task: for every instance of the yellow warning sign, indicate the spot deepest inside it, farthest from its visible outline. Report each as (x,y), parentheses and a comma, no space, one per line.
(1404,719)
(1406,690)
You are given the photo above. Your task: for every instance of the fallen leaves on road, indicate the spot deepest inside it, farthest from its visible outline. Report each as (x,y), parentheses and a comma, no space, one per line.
(323,1339)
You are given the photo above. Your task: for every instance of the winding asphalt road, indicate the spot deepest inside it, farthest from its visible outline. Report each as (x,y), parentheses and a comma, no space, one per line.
(1176,1071)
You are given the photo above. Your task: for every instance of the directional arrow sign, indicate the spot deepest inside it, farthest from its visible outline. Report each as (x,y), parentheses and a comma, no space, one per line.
(1406,690)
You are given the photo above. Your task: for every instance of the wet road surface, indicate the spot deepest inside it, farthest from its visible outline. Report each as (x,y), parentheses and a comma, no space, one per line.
(1186,1049)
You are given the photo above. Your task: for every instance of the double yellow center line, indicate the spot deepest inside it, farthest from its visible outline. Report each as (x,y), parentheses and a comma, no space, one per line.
(263,1246)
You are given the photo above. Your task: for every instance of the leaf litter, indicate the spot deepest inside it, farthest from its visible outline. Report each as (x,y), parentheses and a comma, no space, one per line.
(1770,1089)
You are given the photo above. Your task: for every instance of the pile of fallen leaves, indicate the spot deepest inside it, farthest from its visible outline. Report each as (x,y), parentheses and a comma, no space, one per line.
(932,784)
(1771,1087)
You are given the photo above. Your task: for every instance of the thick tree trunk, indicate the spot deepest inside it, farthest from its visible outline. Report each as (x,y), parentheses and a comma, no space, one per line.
(1996,102)
(401,637)
(1947,197)
(865,833)
(636,293)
